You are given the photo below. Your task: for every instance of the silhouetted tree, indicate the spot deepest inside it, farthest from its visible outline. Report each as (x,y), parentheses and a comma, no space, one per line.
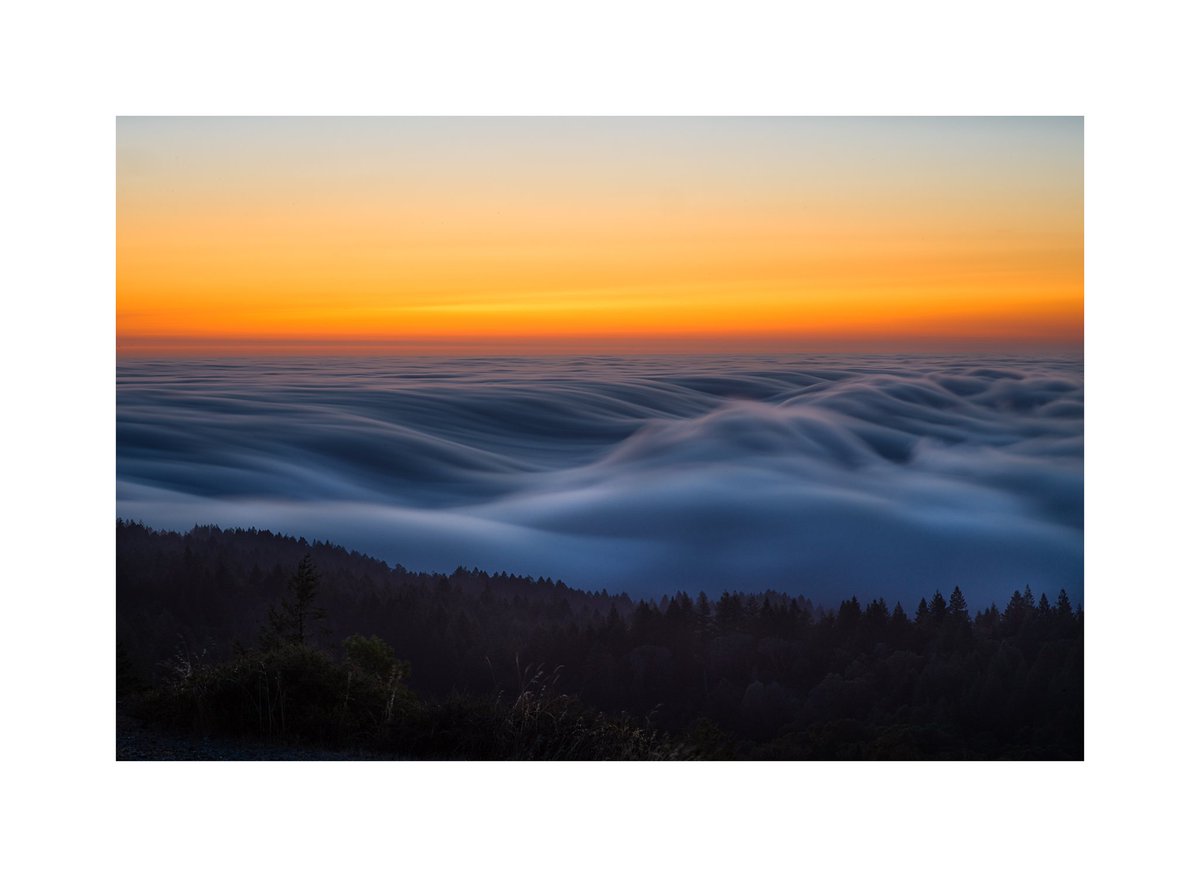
(292,620)
(1063,608)
(958,605)
(937,609)
(777,678)
(1015,613)
(922,613)
(849,614)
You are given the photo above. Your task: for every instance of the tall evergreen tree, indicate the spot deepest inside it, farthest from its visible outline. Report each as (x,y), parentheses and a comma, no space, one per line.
(1015,613)
(958,605)
(937,608)
(1063,608)
(849,613)
(1043,607)
(293,620)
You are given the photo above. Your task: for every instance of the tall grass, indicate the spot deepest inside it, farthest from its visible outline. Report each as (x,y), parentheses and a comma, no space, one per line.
(298,694)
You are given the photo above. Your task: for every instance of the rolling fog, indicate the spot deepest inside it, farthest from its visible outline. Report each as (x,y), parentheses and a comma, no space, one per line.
(823,476)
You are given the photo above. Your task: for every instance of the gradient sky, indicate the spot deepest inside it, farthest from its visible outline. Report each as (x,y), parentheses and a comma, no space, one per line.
(598,234)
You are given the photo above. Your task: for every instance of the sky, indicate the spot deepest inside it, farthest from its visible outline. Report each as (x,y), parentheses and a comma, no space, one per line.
(606,235)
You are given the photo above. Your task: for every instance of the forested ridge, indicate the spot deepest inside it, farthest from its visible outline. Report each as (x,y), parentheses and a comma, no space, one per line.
(249,633)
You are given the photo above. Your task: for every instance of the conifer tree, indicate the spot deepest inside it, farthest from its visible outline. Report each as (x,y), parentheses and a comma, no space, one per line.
(958,605)
(1064,605)
(293,620)
(937,608)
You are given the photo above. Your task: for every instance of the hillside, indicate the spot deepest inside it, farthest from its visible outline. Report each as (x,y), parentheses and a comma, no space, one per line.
(484,665)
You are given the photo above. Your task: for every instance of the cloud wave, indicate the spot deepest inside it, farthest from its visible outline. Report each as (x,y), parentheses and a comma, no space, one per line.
(825,476)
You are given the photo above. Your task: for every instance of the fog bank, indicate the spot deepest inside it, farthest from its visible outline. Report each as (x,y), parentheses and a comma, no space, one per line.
(821,475)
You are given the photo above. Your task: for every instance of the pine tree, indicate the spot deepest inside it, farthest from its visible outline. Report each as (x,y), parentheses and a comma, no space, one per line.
(922,613)
(937,608)
(1064,605)
(958,605)
(1064,615)
(1043,607)
(849,613)
(1015,614)
(293,620)
(958,621)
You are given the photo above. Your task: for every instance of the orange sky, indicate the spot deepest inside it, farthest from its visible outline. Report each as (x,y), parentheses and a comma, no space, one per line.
(555,235)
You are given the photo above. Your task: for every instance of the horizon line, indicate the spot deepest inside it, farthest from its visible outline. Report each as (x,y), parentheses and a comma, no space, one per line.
(595,345)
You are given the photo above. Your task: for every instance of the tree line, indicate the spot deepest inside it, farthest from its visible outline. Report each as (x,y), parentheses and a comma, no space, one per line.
(234,630)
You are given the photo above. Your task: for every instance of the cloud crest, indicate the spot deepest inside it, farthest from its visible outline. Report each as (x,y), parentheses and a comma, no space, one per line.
(820,475)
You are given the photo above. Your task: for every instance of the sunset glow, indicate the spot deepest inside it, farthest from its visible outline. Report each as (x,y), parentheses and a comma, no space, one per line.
(552,235)
(749,425)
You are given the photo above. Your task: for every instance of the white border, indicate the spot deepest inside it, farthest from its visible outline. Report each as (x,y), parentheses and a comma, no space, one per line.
(71,67)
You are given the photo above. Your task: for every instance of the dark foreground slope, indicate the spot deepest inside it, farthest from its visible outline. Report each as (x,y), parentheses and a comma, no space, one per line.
(233,634)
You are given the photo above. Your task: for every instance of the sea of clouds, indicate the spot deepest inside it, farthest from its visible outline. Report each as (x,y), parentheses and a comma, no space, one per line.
(820,475)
